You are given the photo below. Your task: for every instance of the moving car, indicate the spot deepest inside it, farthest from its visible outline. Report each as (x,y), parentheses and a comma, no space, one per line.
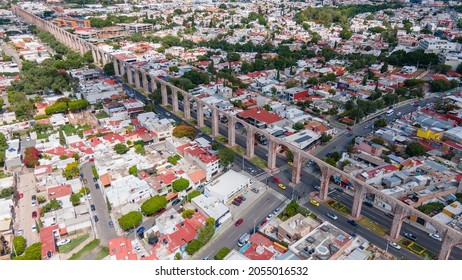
(369,204)
(410,236)
(276,179)
(255,190)
(317,188)
(239,222)
(435,236)
(394,245)
(282,186)
(34,214)
(20,195)
(353,223)
(314,202)
(20,232)
(331,215)
(290,163)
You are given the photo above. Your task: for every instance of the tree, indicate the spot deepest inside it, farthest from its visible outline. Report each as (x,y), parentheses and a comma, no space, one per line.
(31,157)
(133,170)
(380,123)
(331,161)
(443,68)
(192,195)
(62,139)
(384,67)
(222,253)
(121,149)
(139,149)
(187,213)
(378,141)
(184,131)
(84,190)
(76,105)
(33,252)
(226,156)
(130,220)
(459,68)
(298,126)
(76,156)
(58,107)
(415,149)
(153,205)
(289,155)
(71,171)
(75,199)
(19,244)
(346,34)
(180,184)
(109,68)
(193,247)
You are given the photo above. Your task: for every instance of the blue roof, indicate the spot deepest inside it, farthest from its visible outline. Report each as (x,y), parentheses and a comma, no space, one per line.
(303,139)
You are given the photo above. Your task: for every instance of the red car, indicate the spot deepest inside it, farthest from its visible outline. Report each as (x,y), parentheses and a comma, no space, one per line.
(239,222)
(276,179)
(20,195)
(34,214)
(263,222)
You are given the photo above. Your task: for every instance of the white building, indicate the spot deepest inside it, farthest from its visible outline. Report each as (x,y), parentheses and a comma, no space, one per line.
(212,207)
(129,189)
(227,186)
(437,45)
(450,58)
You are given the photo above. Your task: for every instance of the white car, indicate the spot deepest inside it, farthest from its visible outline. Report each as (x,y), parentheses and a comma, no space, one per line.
(63,242)
(89,196)
(394,245)
(435,236)
(269,216)
(20,232)
(34,228)
(331,215)
(33,203)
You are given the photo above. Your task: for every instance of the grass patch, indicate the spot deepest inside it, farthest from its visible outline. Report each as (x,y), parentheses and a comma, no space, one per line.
(104,252)
(339,207)
(101,115)
(238,150)
(258,162)
(206,130)
(371,225)
(74,243)
(416,248)
(193,122)
(85,250)
(221,139)
(180,114)
(169,107)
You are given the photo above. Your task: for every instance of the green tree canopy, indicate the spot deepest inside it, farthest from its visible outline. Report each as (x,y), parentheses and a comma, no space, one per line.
(19,244)
(222,253)
(153,205)
(415,149)
(121,148)
(184,131)
(226,156)
(133,170)
(180,184)
(130,220)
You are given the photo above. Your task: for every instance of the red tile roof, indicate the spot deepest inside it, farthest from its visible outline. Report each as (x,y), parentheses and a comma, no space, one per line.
(94,141)
(60,151)
(112,138)
(167,179)
(60,191)
(260,115)
(48,241)
(121,249)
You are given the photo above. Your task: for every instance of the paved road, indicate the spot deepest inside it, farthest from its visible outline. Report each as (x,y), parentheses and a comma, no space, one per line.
(24,219)
(98,199)
(253,216)
(12,53)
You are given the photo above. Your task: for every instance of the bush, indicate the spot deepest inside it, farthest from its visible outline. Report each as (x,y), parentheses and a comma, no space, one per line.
(19,245)
(222,253)
(187,214)
(192,195)
(184,131)
(153,205)
(130,220)
(174,159)
(133,170)
(180,184)
(33,252)
(193,247)
(75,199)
(31,157)
(121,148)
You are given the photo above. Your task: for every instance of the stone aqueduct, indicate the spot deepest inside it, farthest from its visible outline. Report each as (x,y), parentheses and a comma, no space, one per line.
(148,82)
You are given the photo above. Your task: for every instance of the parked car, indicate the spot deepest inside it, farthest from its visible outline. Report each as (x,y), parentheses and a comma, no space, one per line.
(34,214)
(331,215)
(353,223)
(394,245)
(435,236)
(111,224)
(89,196)
(20,232)
(314,202)
(234,202)
(239,222)
(242,197)
(255,190)
(276,211)
(263,222)
(175,202)
(317,188)
(282,186)
(20,195)
(238,200)
(339,189)
(95,218)
(269,216)
(410,236)
(97,186)
(276,179)
(93,208)
(349,128)
(34,228)
(62,242)
(85,181)
(140,230)
(95,180)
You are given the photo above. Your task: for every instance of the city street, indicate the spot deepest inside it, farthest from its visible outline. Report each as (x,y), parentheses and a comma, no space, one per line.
(24,220)
(98,199)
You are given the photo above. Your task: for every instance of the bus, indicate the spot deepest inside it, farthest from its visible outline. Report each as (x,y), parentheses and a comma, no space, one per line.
(390,112)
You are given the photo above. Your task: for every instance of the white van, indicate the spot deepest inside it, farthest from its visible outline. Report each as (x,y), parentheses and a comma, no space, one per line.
(243,239)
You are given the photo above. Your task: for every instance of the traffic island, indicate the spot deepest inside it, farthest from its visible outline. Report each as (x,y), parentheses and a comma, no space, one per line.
(373,226)
(339,207)
(416,248)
